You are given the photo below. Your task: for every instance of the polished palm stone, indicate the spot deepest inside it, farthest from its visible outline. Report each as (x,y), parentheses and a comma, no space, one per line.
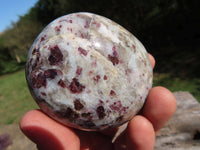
(87,72)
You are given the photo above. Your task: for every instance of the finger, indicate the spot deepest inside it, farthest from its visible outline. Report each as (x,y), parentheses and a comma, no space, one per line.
(139,135)
(47,133)
(159,106)
(152,60)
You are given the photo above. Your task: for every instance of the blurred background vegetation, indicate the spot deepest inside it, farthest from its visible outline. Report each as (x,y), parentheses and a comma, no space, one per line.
(169,29)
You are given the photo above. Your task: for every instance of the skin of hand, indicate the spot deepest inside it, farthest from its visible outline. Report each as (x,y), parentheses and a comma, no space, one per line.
(140,133)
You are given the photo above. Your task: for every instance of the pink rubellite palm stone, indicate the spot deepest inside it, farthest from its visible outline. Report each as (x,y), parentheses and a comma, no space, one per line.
(87,72)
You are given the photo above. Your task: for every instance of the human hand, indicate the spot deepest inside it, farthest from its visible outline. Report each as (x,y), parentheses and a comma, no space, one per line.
(140,133)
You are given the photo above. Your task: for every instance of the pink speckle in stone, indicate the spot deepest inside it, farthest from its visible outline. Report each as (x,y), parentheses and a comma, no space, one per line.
(79,70)
(57,28)
(43,38)
(86,24)
(70,21)
(75,86)
(62,83)
(121,61)
(113,59)
(105,77)
(94,64)
(89,91)
(101,102)
(97,78)
(124,109)
(90,73)
(114,48)
(56,56)
(82,35)
(115,54)
(112,93)
(70,29)
(82,51)
(98,25)
(116,106)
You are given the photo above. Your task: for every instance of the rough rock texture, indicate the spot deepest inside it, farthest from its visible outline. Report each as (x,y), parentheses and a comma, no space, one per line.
(88,72)
(182,132)
(17,138)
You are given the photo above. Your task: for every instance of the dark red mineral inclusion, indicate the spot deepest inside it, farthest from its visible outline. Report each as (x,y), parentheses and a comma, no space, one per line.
(116,106)
(38,80)
(75,86)
(82,51)
(56,56)
(114,57)
(57,28)
(70,114)
(50,73)
(112,93)
(79,70)
(100,112)
(78,105)
(105,77)
(87,23)
(96,78)
(61,83)
(35,51)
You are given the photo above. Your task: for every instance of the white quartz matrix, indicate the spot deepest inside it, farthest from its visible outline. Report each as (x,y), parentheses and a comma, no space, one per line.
(88,72)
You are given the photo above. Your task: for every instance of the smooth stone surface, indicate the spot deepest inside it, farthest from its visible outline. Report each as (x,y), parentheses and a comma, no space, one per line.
(88,72)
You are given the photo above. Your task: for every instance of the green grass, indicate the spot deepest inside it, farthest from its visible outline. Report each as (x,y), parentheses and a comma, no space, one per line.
(15,99)
(174,84)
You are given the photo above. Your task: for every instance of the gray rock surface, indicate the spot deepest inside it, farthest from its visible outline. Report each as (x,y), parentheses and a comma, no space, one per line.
(19,141)
(182,132)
